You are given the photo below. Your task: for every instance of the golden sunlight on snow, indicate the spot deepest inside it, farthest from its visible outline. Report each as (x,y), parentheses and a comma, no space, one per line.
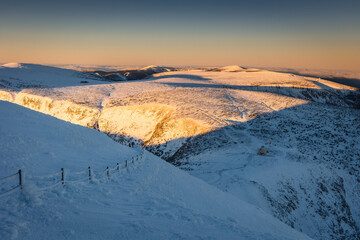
(177,104)
(152,124)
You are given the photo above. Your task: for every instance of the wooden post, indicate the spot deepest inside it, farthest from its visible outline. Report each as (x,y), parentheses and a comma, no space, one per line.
(89,173)
(107,171)
(20,178)
(62,176)
(118,166)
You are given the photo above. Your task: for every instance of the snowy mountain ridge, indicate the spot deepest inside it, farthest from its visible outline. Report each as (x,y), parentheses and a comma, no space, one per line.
(213,125)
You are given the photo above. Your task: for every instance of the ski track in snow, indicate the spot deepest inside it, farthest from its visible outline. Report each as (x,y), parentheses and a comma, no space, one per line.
(231,98)
(106,97)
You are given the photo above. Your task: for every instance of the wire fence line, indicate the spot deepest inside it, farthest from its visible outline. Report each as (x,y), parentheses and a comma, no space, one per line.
(5,178)
(63,176)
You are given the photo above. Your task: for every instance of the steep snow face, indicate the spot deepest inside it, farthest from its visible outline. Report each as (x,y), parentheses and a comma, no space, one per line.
(214,123)
(65,110)
(135,121)
(6,96)
(152,124)
(150,199)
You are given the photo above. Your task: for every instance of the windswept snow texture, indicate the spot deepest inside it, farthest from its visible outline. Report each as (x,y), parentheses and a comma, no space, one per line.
(214,122)
(150,199)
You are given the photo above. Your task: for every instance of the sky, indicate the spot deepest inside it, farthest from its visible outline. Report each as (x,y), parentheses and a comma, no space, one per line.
(295,34)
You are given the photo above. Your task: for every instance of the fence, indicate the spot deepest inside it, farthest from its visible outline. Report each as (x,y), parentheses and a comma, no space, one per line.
(61,177)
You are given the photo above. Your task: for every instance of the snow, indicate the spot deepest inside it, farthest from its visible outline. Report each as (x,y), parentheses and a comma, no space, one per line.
(309,177)
(151,199)
(232,68)
(340,75)
(155,69)
(41,144)
(24,75)
(12,65)
(214,123)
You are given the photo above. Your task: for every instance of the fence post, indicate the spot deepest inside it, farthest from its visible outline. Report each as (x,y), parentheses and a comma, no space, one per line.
(107,171)
(118,166)
(20,178)
(89,173)
(62,176)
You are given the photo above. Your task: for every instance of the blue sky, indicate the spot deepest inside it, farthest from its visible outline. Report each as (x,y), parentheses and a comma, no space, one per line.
(318,34)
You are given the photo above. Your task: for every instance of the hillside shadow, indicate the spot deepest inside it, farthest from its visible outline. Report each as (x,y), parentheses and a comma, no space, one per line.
(323,86)
(197,144)
(261,127)
(311,140)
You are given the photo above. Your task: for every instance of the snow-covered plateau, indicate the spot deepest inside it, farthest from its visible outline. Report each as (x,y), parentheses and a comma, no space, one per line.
(269,143)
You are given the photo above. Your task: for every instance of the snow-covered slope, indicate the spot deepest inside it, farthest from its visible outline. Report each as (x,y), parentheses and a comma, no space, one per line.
(233,68)
(214,123)
(310,176)
(150,199)
(155,69)
(13,65)
(18,76)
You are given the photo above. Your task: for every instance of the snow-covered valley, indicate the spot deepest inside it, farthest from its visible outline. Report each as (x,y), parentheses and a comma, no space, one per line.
(285,143)
(149,199)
